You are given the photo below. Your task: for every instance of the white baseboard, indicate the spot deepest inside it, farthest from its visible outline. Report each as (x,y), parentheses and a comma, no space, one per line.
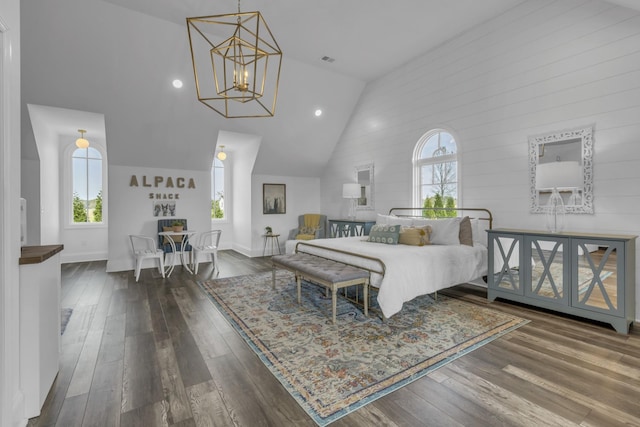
(66,258)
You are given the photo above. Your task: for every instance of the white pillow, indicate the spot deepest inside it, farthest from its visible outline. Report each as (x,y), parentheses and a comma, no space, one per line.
(405,222)
(444,231)
(393,220)
(383,219)
(478,229)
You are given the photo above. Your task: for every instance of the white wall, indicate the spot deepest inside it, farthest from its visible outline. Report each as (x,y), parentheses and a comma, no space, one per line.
(302,196)
(30,188)
(49,152)
(130,211)
(131,208)
(240,208)
(542,66)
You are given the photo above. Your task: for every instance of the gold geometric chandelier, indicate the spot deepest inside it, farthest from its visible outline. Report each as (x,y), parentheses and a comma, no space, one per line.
(238,76)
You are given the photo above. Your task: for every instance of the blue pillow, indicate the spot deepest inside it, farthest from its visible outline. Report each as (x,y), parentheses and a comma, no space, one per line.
(382,233)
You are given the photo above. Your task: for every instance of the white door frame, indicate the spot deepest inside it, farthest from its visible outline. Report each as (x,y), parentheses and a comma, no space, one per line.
(11,397)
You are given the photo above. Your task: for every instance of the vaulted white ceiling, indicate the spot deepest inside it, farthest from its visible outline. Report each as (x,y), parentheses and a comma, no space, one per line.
(118,57)
(367,38)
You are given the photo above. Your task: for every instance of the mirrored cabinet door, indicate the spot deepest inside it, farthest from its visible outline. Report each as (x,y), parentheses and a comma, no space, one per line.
(546,276)
(506,272)
(597,284)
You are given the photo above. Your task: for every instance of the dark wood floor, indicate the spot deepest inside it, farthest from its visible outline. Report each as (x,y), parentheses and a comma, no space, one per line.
(158,353)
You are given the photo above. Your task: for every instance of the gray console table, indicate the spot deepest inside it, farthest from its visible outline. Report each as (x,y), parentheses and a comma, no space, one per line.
(583,274)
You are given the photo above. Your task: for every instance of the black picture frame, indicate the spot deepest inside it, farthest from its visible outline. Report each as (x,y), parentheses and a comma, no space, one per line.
(274,199)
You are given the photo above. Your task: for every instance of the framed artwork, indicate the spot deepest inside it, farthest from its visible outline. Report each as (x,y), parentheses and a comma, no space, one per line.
(274,198)
(166,208)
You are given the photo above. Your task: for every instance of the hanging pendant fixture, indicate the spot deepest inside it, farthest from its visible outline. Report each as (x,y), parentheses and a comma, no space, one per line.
(244,63)
(82,141)
(221,154)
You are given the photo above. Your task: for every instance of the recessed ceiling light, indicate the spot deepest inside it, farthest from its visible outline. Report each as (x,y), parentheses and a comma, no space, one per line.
(177,83)
(318,112)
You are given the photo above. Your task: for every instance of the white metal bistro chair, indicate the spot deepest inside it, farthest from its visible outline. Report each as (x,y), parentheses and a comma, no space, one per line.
(144,247)
(206,243)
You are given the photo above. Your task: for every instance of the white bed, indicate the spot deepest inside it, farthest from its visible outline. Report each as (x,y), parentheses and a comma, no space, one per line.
(403,272)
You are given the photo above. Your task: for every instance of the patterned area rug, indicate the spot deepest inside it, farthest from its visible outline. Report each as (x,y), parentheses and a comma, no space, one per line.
(332,370)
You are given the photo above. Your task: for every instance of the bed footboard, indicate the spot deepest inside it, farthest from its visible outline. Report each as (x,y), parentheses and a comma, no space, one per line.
(373,265)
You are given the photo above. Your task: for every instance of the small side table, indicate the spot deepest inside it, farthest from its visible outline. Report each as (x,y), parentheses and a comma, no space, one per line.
(274,241)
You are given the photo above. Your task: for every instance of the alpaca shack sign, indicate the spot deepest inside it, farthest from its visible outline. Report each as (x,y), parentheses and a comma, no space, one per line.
(163,187)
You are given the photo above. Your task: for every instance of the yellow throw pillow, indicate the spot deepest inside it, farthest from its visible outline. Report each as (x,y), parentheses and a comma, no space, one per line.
(415,236)
(305,236)
(176,239)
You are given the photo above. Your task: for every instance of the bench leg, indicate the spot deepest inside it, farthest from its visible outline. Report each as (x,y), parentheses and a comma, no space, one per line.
(299,290)
(334,302)
(365,295)
(273,278)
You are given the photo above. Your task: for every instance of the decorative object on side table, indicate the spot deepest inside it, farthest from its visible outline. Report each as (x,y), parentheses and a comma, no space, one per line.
(268,230)
(566,175)
(177,226)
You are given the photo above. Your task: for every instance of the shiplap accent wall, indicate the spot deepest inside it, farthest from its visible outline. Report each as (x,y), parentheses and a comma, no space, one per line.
(542,66)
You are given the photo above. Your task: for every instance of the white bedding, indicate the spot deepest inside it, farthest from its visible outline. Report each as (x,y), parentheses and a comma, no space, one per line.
(410,270)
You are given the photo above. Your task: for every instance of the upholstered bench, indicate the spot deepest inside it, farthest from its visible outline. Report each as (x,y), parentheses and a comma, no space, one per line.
(331,274)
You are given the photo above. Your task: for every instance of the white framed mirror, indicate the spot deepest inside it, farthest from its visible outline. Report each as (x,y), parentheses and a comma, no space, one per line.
(364,177)
(563,161)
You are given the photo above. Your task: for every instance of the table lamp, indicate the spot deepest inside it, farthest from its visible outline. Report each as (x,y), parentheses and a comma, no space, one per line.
(351,191)
(554,175)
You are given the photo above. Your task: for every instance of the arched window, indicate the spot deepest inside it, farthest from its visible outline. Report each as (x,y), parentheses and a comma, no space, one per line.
(217,189)
(87,189)
(435,170)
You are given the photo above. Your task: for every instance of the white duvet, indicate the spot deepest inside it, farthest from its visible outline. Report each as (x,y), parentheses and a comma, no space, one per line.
(410,270)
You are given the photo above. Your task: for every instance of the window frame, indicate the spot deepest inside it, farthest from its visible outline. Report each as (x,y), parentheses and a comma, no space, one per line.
(68,188)
(419,162)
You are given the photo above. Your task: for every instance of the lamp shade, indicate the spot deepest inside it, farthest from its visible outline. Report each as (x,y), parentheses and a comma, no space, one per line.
(351,190)
(559,175)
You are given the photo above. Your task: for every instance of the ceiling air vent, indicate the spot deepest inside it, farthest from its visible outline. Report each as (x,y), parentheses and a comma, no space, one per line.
(327,59)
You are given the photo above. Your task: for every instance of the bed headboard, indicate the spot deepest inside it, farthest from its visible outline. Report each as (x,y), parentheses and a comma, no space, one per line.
(473,213)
